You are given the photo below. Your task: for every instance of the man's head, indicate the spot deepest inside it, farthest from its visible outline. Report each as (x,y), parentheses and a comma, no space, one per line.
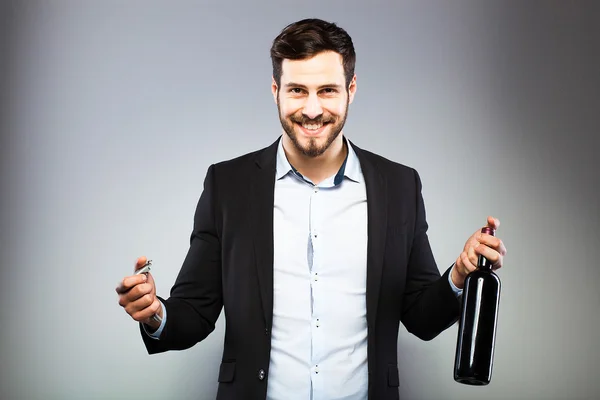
(313,83)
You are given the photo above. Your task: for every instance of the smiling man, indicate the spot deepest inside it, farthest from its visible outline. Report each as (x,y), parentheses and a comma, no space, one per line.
(316,249)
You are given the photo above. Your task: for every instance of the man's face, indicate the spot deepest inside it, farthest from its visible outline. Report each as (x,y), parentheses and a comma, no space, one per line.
(313,100)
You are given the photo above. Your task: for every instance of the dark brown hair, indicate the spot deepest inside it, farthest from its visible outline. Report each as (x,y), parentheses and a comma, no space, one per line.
(309,37)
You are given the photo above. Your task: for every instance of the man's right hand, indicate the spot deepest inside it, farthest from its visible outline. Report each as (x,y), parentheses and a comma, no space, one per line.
(137,295)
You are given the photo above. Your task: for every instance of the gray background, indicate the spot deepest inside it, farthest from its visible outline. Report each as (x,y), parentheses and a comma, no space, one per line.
(112,111)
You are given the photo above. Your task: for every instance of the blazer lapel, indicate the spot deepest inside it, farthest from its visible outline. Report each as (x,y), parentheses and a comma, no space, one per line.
(262,200)
(377,227)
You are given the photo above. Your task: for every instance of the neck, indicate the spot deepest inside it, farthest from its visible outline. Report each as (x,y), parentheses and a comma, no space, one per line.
(483,263)
(317,169)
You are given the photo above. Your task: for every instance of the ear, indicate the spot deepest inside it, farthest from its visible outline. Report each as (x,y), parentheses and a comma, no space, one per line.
(352,89)
(274,89)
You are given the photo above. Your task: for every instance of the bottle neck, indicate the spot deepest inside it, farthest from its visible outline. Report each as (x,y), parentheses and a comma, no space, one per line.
(483,263)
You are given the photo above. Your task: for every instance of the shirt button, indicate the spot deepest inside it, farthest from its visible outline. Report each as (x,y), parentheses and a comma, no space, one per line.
(261,374)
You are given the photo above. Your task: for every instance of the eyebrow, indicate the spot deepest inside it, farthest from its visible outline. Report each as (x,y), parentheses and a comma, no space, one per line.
(299,85)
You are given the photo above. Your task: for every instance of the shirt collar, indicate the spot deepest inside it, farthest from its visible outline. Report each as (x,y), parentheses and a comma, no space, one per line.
(350,167)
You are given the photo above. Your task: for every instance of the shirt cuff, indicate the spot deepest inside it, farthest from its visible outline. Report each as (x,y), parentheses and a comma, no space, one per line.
(458,292)
(156,334)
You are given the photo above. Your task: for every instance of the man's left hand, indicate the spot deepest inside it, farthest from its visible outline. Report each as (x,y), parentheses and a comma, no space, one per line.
(488,246)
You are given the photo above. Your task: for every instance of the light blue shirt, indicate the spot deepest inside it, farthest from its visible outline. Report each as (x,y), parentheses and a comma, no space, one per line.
(319,333)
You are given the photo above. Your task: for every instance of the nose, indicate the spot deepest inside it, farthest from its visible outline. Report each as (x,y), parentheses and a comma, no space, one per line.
(312,107)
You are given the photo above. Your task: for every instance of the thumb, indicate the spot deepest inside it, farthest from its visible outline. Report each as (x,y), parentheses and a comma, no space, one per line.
(139,263)
(493,223)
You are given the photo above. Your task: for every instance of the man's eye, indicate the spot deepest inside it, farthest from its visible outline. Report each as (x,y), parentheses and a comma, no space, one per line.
(296,90)
(329,90)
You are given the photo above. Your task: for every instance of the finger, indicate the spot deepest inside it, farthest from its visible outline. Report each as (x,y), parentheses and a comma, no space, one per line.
(146,309)
(472,256)
(138,292)
(489,240)
(139,304)
(492,255)
(149,281)
(502,249)
(130,281)
(493,242)
(134,294)
(467,265)
(473,240)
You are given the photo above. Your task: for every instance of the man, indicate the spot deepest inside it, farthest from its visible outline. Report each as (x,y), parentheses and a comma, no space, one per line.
(315,248)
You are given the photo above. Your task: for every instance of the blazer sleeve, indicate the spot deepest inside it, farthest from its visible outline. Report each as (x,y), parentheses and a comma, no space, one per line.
(429,305)
(196,298)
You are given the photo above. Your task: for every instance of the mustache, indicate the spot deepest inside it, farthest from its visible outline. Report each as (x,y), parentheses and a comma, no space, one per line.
(302,119)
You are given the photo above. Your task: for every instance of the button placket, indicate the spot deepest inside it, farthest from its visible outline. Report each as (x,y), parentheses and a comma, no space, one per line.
(316,236)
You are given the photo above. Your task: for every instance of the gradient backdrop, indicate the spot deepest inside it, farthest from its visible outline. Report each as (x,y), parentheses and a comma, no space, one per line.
(112,111)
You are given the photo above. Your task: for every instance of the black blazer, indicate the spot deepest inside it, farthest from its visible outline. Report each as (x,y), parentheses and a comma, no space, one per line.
(230,265)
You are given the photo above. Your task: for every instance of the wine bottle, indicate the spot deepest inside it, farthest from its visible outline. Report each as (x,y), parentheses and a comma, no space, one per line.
(477,326)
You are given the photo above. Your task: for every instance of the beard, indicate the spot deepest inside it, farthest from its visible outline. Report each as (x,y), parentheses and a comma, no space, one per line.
(312,148)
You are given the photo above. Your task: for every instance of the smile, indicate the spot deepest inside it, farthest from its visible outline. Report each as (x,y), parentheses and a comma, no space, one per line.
(313,129)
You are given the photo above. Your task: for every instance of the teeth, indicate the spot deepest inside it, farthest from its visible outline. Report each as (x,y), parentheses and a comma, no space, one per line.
(312,127)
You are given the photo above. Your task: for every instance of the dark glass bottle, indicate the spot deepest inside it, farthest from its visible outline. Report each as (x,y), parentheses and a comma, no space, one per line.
(477,325)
